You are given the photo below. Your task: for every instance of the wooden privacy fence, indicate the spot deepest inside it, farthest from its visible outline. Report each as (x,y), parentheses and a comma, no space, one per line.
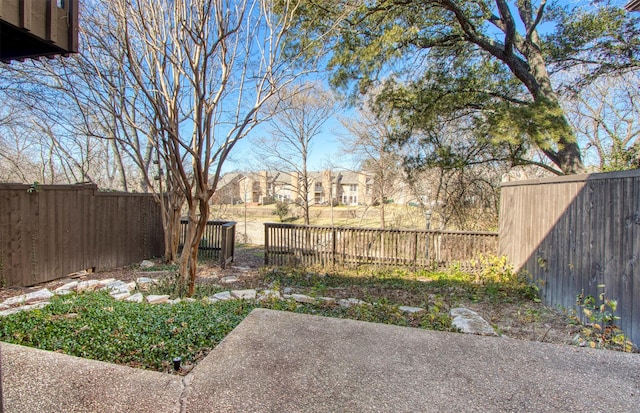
(218,241)
(574,233)
(287,244)
(50,231)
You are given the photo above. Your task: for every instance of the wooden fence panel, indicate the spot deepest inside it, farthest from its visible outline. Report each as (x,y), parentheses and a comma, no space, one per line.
(574,233)
(51,231)
(287,244)
(218,240)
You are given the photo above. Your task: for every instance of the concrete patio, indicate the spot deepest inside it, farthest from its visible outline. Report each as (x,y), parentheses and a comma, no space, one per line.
(285,362)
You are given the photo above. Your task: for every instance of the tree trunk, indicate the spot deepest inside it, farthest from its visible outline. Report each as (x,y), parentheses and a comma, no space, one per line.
(198,216)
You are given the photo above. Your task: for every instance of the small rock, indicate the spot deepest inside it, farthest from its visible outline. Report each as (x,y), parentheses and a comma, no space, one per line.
(190,300)
(229,279)
(37,296)
(244,269)
(346,303)
(287,290)
(301,298)
(87,286)
(157,299)
(212,299)
(63,292)
(4,307)
(136,298)
(174,301)
(132,285)
(147,264)
(106,282)
(411,310)
(222,296)
(470,322)
(244,294)
(68,286)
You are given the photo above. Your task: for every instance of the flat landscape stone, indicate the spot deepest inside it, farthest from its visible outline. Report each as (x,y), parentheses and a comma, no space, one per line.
(36,296)
(223,296)
(301,298)
(349,302)
(229,279)
(89,285)
(136,298)
(68,286)
(411,310)
(157,299)
(268,294)
(470,322)
(244,294)
(121,296)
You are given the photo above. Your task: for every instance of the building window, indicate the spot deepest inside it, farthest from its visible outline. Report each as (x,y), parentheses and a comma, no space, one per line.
(353,188)
(60,4)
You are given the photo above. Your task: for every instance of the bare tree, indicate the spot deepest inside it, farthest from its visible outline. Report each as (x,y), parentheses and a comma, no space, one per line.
(206,67)
(604,115)
(370,148)
(298,114)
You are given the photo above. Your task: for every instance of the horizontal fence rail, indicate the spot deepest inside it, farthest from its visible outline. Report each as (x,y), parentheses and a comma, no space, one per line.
(218,240)
(287,244)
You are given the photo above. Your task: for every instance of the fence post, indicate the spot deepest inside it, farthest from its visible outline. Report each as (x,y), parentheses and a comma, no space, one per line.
(333,245)
(266,244)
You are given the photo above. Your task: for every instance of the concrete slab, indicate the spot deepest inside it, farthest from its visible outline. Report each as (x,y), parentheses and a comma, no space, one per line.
(41,381)
(284,362)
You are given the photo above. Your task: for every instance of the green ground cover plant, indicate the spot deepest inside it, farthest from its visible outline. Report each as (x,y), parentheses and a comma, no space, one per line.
(95,326)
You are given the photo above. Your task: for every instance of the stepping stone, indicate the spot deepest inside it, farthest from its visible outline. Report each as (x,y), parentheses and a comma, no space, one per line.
(136,298)
(157,299)
(411,310)
(244,294)
(212,299)
(470,322)
(301,298)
